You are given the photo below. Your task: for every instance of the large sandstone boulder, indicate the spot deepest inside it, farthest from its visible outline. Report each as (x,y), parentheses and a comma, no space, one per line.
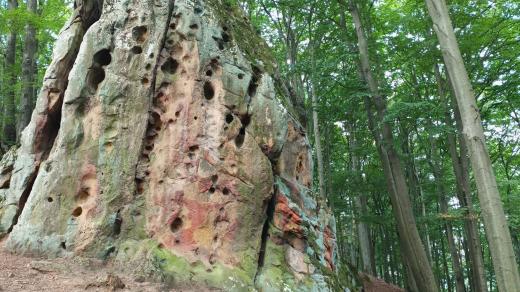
(159,142)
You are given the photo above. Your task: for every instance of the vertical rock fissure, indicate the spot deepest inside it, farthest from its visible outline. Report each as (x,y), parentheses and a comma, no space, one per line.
(171,4)
(46,134)
(23,198)
(150,133)
(265,233)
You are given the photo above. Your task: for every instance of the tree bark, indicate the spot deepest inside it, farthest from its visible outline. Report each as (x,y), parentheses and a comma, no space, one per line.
(360,201)
(443,203)
(463,188)
(497,231)
(28,70)
(416,191)
(9,130)
(316,127)
(412,247)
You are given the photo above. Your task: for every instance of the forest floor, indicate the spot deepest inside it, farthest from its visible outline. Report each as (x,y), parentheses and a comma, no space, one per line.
(30,274)
(20,273)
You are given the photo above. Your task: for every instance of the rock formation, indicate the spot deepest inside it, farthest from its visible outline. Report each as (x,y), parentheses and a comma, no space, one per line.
(159,141)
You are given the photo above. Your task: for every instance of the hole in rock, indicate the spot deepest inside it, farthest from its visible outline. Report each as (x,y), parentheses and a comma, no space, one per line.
(253,85)
(102,58)
(139,33)
(156,120)
(148,66)
(240,76)
(177,113)
(211,190)
(116,229)
(170,66)
(177,241)
(193,148)
(225,37)
(215,238)
(225,191)
(220,43)
(145,81)
(95,76)
(50,199)
(83,194)
(173,25)
(76,212)
(171,121)
(137,50)
(195,117)
(214,178)
(139,182)
(63,245)
(197,10)
(194,26)
(209,73)
(176,225)
(245,120)
(225,28)
(229,118)
(239,140)
(209,92)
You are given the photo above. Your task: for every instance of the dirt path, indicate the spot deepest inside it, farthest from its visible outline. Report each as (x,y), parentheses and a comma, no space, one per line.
(19,273)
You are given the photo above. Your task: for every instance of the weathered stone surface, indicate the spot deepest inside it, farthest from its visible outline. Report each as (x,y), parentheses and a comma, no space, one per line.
(159,142)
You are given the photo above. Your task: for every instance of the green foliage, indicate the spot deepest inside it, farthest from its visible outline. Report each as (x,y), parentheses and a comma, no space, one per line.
(314,46)
(404,50)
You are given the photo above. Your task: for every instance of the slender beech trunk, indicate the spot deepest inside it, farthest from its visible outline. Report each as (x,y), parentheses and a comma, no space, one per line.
(317,140)
(497,231)
(415,185)
(443,203)
(447,277)
(28,70)
(9,130)
(315,118)
(460,169)
(412,247)
(360,201)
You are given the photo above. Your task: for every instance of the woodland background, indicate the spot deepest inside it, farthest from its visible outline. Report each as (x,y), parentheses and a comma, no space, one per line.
(316,47)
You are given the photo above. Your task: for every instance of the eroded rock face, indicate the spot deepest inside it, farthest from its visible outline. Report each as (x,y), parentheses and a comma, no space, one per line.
(159,142)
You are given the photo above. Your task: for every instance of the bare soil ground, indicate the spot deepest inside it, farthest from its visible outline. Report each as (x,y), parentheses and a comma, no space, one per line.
(20,273)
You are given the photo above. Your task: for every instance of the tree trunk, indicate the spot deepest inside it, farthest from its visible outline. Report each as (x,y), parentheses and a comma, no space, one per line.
(497,231)
(412,247)
(463,188)
(9,127)
(28,70)
(415,186)
(316,126)
(158,143)
(443,203)
(447,277)
(360,201)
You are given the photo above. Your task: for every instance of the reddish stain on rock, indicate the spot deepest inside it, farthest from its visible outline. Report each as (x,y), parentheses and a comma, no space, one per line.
(285,218)
(329,246)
